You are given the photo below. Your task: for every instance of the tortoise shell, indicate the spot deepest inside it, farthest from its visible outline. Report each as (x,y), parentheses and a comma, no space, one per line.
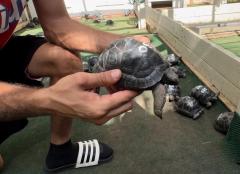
(223,121)
(188,106)
(173,92)
(173,59)
(204,95)
(142,67)
(109,22)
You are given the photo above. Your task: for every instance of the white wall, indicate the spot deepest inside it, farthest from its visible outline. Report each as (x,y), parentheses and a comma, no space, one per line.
(32,9)
(205,14)
(76,6)
(175,3)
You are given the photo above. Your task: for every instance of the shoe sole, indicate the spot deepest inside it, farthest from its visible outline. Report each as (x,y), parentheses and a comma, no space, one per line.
(71,166)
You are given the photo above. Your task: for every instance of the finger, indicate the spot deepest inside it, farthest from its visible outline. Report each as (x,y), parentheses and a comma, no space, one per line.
(114,113)
(112,101)
(107,78)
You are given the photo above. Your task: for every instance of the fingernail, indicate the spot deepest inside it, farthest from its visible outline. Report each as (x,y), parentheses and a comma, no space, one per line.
(116,74)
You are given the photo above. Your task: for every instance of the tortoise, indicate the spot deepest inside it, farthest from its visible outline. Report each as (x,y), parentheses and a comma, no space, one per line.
(35,20)
(96,21)
(92,60)
(181,72)
(223,122)
(170,77)
(142,68)
(109,22)
(173,92)
(172,59)
(204,95)
(188,106)
(30,25)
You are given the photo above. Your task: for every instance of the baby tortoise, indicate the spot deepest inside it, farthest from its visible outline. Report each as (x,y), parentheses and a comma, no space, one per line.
(204,95)
(181,72)
(172,59)
(189,107)
(223,122)
(109,22)
(96,21)
(142,68)
(173,91)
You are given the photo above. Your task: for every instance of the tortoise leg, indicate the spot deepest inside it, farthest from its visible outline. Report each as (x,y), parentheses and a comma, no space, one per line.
(171,77)
(159,96)
(171,98)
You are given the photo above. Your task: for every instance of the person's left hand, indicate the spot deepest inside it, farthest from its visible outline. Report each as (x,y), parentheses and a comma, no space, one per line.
(142,38)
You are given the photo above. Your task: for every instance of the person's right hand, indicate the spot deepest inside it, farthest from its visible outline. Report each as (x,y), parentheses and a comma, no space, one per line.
(72,96)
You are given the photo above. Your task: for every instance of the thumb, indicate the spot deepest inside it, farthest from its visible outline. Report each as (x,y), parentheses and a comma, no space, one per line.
(107,78)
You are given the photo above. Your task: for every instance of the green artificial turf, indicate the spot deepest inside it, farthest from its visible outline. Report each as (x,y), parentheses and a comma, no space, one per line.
(29,31)
(231,43)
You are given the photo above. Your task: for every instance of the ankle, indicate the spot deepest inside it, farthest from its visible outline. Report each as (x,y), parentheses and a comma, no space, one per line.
(63,154)
(59,140)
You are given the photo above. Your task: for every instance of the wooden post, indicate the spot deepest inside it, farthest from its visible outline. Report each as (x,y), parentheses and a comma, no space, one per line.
(84,6)
(28,12)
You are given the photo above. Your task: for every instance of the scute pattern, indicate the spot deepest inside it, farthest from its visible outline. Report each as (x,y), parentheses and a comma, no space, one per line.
(142,67)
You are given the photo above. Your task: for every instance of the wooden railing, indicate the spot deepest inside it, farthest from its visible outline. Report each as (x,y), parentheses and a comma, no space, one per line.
(218,68)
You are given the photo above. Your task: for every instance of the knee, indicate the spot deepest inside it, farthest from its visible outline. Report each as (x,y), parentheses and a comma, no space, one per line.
(54,61)
(66,63)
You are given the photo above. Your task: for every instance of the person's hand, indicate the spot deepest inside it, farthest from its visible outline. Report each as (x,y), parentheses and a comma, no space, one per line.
(72,96)
(142,38)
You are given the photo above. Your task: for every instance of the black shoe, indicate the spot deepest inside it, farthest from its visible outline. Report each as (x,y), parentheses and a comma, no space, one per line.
(75,155)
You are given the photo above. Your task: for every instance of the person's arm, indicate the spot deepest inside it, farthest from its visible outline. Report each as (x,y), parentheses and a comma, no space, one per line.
(18,101)
(70,96)
(60,29)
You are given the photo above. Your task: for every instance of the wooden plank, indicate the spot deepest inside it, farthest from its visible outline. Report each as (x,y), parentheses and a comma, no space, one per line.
(223,97)
(197,63)
(204,49)
(220,82)
(188,54)
(178,35)
(238,109)
(207,30)
(221,35)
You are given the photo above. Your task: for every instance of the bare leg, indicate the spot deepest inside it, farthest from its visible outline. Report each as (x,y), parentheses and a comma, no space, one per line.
(60,126)
(1,162)
(55,62)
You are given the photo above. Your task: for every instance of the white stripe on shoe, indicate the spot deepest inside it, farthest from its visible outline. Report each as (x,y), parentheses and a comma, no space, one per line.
(86,149)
